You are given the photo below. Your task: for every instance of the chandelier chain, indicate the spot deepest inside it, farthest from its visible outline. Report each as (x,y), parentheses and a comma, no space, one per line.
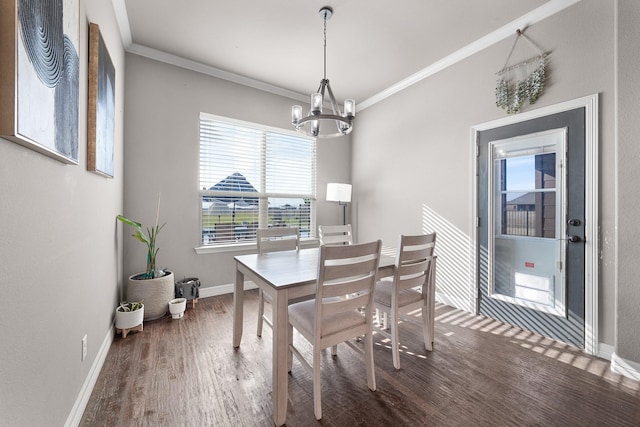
(325,46)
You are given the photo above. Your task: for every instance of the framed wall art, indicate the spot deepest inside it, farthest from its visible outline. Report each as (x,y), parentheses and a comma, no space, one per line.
(39,75)
(101,106)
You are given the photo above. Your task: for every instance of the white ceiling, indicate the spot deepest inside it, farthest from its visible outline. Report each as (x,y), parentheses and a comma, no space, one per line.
(372,45)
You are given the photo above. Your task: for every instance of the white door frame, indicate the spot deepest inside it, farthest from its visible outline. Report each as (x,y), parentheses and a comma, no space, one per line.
(590,104)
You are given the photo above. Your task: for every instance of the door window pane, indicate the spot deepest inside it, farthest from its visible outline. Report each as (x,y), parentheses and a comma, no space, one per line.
(527,195)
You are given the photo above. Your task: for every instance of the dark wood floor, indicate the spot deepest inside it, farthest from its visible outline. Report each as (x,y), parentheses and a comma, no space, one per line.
(481,373)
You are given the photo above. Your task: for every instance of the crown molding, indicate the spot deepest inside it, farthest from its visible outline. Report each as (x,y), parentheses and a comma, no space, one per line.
(548,9)
(122,18)
(188,64)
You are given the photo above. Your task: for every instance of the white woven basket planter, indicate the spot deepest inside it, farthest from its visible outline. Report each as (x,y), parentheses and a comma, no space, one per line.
(155,293)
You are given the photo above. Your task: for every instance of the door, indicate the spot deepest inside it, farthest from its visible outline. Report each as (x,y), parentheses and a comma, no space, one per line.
(531,225)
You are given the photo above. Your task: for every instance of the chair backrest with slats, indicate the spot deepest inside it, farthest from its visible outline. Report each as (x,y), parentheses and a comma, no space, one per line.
(414,261)
(346,279)
(335,234)
(278,239)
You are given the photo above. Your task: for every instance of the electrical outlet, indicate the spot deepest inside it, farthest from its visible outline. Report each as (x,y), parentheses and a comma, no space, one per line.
(84,347)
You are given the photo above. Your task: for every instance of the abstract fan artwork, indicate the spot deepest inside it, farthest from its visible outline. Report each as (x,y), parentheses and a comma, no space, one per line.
(40,76)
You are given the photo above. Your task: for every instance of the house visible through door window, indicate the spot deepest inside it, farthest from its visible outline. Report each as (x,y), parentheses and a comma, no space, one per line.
(528,195)
(253,176)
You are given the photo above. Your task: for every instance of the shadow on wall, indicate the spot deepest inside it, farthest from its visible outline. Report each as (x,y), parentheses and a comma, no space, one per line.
(455,276)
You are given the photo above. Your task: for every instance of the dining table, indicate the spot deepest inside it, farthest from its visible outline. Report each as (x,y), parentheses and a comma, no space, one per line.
(285,276)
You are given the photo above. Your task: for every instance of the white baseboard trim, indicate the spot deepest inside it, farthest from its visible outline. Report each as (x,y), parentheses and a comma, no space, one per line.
(80,404)
(213,291)
(625,367)
(458,303)
(605,351)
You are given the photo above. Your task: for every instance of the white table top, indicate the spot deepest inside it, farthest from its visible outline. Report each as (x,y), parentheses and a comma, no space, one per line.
(286,269)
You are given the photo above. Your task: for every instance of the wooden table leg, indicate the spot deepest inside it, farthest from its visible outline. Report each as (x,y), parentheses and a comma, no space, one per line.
(280,356)
(238,307)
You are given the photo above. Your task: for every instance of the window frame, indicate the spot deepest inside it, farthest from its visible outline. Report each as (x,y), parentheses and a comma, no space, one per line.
(262,195)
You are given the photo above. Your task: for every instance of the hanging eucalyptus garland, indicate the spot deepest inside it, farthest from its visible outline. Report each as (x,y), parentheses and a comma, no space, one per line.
(511,94)
(521,82)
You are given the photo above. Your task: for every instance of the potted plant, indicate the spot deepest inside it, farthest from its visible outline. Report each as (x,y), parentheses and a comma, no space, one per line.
(177,307)
(154,286)
(129,316)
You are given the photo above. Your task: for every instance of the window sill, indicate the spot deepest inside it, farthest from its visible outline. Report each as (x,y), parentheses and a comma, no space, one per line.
(311,242)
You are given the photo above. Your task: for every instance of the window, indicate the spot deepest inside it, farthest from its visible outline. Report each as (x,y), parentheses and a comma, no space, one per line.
(253,176)
(527,190)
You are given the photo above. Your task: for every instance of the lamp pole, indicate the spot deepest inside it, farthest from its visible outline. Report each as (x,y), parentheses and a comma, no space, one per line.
(341,193)
(344,212)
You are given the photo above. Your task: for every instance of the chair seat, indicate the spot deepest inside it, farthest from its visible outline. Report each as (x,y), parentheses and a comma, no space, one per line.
(384,290)
(302,315)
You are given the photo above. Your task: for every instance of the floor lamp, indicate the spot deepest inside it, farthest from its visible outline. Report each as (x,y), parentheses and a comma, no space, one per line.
(340,193)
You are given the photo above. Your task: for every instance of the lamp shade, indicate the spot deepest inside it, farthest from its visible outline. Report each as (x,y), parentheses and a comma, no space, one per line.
(337,192)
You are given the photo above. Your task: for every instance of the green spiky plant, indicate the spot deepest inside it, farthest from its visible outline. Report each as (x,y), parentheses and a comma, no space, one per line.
(129,306)
(149,240)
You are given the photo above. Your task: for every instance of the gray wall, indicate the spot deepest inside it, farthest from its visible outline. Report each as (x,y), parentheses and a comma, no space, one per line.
(162,153)
(628,267)
(59,271)
(422,145)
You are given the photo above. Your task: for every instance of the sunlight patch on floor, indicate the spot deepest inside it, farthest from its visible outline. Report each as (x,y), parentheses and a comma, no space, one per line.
(531,341)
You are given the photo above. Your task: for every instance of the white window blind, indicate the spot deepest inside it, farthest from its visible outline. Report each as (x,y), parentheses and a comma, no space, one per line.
(252,176)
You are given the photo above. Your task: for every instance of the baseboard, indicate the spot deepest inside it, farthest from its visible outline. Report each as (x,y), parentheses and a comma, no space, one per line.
(213,291)
(458,303)
(605,351)
(625,367)
(80,404)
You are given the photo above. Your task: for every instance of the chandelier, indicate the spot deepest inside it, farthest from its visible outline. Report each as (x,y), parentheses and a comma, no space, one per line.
(332,124)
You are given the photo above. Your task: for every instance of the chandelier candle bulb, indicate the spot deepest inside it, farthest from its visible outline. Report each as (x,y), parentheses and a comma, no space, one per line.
(349,108)
(296,114)
(316,103)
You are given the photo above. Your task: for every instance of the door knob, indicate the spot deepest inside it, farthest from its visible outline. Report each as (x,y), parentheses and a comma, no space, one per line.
(574,239)
(574,222)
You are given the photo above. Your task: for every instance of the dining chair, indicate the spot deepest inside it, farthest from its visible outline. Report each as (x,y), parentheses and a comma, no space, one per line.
(331,318)
(335,234)
(272,240)
(412,287)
